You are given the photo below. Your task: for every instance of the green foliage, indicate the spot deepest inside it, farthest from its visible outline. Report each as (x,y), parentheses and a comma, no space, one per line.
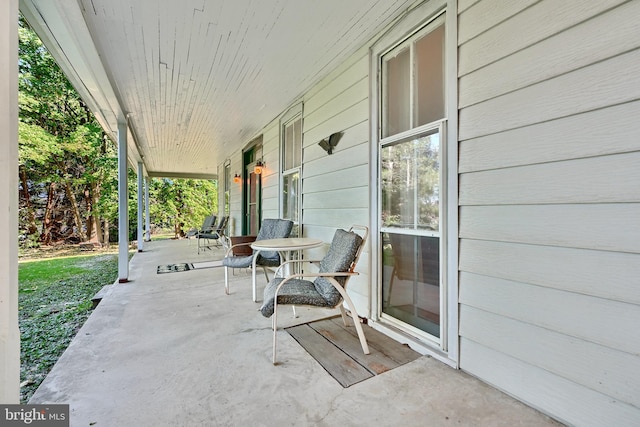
(54,301)
(37,146)
(410,183)
(64,157)
(182,201)
(44,270)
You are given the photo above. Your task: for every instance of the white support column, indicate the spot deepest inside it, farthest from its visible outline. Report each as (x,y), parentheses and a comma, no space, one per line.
(140,208)
(9,332)
(146,210)
(123,206)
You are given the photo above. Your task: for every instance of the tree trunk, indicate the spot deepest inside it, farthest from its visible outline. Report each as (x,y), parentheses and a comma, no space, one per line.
(105,234)
(97,223)
(88,221)
(45,236)
(32,228)
(178,228)
(77,220)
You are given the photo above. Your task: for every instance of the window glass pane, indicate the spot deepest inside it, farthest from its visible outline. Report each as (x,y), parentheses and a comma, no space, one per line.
(410,183)
(290,196)
(397,95)
(227,177)
(428,182)
(429,77)
(398,185)
(411,280)
(227,189)
(289,151)
(297,142)
(292,145)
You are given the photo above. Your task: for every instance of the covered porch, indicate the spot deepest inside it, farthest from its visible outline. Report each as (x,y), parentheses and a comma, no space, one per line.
(173,349)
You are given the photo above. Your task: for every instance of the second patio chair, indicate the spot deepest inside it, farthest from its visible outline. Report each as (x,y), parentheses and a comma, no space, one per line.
(271,229)
(206,227)
(215,233)
(328,290)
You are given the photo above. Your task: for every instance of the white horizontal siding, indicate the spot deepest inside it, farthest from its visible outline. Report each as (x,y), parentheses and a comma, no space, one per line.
(340,179)
(235,197)
(601,321)
(350,97)
(542,20)
(611,82)
(544,60)
(605,179)
(353,115)
(549,204)
(611,227)
(271,175)
(465,4)
(570,402)
(351,73)
(487,15)
(614,372)
(611,275)
(345,158)
(347,198)
(579,136)
(342,218)
(353,136)
(335,188)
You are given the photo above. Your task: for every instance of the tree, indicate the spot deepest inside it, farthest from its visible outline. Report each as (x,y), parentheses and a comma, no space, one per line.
(65,159)
(182,203)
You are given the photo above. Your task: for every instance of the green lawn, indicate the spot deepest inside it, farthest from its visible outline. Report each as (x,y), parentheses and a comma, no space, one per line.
(54,301)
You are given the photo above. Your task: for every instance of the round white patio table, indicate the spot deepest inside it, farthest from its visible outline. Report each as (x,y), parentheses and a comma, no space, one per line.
(284,247)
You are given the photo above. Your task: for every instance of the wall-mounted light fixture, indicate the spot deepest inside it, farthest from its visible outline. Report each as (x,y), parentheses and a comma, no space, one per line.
(237,179)
(258,168)
(328,144)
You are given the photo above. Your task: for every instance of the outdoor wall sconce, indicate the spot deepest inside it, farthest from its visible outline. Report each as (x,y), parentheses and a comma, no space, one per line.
(258,168)
(328,144)
(237,179)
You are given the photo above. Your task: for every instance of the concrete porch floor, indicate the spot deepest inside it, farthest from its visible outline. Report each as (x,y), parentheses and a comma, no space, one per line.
(174,350)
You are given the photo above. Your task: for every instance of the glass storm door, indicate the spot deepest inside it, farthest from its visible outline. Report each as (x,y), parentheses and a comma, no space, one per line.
(252,193)
(253,201)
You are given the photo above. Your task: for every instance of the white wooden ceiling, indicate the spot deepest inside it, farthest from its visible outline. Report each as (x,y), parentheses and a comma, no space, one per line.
(197,79)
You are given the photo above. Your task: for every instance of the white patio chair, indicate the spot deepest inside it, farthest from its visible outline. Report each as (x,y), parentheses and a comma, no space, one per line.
(271,229)
(328,290)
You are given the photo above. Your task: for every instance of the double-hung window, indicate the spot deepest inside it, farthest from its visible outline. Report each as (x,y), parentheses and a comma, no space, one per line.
(291,131)
(411,137)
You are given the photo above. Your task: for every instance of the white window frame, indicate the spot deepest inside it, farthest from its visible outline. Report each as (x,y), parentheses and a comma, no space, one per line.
(294,113)
(226,194)
(447,349)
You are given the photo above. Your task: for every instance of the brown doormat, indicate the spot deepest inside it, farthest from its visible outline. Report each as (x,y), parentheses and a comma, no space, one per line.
(337,349)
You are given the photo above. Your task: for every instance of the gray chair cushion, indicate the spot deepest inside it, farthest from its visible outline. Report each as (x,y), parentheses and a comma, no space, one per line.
(208,236)
(238,261)
(245,261)
(321,292)
(342,253)
(295,291)
(271,229)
